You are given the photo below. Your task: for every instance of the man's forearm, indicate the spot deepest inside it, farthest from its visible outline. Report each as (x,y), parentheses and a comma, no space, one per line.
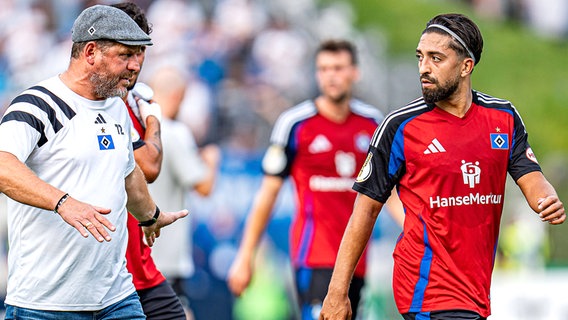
(139,203)
(18,182)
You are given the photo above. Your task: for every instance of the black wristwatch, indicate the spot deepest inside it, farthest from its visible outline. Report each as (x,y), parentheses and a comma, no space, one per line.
(150,222)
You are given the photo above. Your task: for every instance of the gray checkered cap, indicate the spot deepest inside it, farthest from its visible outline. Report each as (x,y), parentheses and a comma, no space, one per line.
(101,22)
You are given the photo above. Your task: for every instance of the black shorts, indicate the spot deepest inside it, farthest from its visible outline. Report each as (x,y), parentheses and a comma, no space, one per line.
(447,315)
(161,303)
(312,285)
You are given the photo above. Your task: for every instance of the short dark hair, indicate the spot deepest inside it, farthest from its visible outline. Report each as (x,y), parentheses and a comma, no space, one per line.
(464,28)
(334,45)
(136,13)
(77,47)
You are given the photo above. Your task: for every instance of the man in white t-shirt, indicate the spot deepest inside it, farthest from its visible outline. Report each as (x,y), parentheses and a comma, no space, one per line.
(67,164)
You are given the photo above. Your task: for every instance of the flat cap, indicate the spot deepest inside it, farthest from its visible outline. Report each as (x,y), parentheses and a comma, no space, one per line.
(101,22)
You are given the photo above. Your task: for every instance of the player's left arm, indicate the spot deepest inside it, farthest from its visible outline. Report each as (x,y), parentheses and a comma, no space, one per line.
(143,208)
(149,156)
(542,197)
(395,208)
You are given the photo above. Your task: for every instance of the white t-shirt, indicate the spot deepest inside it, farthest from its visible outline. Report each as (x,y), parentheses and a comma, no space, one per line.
(82,147)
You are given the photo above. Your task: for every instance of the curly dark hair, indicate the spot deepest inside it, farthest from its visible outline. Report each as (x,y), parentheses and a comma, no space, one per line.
(136,13)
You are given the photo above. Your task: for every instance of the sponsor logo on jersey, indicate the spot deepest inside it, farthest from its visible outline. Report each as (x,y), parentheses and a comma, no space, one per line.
(329,184)
(319,144)
(471,173)
(345,166)
(105,142)
(499,141)
(366,169)
(465,200)
(434,147)
(530,155)
(100,119)
(345,163)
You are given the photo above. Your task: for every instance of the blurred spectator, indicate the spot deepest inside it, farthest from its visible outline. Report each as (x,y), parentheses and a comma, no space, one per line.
(184,168)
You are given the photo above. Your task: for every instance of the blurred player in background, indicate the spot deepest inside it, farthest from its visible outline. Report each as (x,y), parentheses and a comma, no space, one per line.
(320,143)
(185,167)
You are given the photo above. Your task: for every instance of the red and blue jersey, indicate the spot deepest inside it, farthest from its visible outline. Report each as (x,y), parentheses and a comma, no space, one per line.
(450,173)
(323,158)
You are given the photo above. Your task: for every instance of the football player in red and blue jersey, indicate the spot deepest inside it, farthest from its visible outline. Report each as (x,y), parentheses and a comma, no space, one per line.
(448,154)
(320,144)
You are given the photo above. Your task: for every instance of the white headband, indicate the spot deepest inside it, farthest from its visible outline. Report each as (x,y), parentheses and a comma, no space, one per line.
(453,34)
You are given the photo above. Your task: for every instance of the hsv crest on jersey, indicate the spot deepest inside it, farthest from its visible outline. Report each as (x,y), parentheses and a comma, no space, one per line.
(499,141)
(362,142)
(105,142)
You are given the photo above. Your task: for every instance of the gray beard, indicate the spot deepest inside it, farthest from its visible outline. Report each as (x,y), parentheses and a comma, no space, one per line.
(106,87)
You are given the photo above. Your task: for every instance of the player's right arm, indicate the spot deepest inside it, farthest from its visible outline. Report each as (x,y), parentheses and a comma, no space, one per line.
(241,270)
(357,233)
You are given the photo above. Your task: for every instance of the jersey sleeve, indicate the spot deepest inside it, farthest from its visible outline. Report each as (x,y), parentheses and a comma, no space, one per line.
(25,126)
(279,156)
(522,159)
(384,165)
(137,141)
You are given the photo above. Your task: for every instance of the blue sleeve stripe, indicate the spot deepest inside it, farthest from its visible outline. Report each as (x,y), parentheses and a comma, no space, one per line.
(396,159)
(42,105)
(31,120)
(69,113)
